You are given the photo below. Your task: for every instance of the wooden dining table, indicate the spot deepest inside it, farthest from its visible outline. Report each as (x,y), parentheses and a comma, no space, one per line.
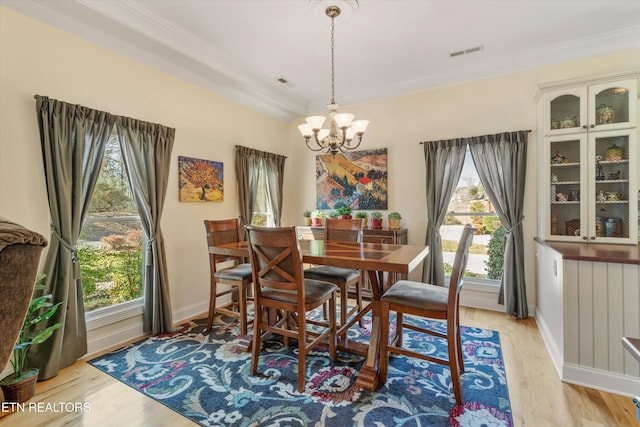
(374,258)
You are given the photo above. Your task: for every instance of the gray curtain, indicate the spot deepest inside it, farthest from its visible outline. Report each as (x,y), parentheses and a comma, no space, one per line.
(443,161)
(501,163)
(73,138)
(249,164)
(247,169)
(146,149)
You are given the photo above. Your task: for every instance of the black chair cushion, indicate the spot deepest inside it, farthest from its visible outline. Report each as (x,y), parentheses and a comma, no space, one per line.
(417,295)
(314,290)
(238,272)
(332,274)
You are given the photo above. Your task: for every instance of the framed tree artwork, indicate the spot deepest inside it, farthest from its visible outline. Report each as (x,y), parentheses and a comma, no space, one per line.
(357,179)
(200,180)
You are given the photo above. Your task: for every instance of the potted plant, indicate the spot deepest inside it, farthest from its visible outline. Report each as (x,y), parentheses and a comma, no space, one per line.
(344,212)
(376,220)
(316,218)
(307,217)
(332,214)
(394,219)
(364,217)
(21,385)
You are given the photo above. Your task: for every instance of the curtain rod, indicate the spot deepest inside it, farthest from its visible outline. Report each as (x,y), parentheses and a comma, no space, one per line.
(528,131)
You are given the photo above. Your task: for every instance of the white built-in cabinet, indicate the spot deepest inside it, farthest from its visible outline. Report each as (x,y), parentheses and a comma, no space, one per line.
(583,309)
(589,163)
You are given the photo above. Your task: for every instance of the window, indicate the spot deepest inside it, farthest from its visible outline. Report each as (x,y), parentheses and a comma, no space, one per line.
(110,244)
(470,205)
(262,208)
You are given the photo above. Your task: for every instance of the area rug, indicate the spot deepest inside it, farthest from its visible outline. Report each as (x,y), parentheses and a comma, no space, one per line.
(204,377)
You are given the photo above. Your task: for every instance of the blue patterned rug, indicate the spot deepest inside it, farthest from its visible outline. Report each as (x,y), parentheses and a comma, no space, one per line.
(203,377)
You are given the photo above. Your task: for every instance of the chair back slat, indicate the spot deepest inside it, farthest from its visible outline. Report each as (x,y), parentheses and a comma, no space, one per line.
(276,259)
(460,262)
(220,232)
(343,230)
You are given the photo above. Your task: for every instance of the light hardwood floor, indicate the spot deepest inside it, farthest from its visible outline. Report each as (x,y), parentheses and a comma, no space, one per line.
(538,397)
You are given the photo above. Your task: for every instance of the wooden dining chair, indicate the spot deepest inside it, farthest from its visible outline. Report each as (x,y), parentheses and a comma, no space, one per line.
(347,279)
(428,301)
(237,276)
(280,287)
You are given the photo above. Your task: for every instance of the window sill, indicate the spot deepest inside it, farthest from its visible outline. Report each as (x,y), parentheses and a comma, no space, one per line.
(480,285)
(108,315)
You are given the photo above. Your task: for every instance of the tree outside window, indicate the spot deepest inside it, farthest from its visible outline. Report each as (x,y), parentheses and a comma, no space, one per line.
(470,205)
(110,244)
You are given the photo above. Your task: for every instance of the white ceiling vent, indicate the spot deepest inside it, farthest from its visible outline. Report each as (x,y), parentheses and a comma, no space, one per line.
(466,51)
(285,81)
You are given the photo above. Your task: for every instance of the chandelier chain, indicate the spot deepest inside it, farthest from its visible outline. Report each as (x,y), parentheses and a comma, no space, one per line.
(333,67)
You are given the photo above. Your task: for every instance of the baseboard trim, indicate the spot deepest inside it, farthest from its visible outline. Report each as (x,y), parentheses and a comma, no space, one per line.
(552,349)
(610,382)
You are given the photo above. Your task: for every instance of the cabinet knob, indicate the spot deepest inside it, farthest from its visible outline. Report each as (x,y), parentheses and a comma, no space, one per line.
(592,126)
(584,126)
(593,238)
(584,237)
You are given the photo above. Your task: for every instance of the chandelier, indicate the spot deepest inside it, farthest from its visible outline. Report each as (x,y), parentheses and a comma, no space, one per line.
(342,128)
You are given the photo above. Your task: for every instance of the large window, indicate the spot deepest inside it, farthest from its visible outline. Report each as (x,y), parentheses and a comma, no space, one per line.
(110,244)
(470,205)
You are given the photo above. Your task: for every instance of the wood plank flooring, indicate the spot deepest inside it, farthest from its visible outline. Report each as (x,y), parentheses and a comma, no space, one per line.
(538,397)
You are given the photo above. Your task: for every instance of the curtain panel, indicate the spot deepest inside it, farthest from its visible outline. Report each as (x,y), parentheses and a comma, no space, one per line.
(146,149)
(501,161)
(443,163)
(73,138)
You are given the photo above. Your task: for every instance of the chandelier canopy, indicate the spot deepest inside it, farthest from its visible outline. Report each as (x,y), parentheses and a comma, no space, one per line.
(342,128)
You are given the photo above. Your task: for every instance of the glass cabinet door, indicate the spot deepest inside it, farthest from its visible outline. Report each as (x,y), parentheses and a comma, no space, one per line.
(613,189)
(567,186)
(566,111)
(612,105)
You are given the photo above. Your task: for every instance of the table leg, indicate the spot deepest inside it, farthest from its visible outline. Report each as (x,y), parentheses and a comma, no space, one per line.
(368,377)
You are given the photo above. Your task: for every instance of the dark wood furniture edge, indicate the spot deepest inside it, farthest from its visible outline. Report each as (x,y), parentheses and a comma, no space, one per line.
(633,346)
(598,252)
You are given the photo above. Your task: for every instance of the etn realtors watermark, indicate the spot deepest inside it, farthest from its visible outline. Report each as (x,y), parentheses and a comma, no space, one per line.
(44,407)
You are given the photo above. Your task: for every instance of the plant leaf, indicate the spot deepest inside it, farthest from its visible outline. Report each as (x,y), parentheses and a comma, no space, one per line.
(44,335)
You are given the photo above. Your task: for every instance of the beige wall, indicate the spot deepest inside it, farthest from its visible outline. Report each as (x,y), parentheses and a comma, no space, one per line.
(38,59)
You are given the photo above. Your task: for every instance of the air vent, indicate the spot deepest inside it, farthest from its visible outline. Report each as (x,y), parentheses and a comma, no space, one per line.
(285,81)
(466,51)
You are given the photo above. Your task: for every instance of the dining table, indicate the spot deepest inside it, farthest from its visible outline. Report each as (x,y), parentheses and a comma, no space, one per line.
(375,259)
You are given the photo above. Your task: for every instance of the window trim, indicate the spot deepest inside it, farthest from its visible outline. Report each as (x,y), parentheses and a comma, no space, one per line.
(106,316)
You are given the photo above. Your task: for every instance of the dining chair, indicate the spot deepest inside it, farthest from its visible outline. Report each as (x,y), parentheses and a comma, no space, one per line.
(280,287)
(347,279)
(428,301)
(237,276)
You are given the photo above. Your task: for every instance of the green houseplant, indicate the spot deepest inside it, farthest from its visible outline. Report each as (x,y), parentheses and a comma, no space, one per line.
(344,212)
(20,386)
(307,217)
(376,220)
(394,219)
(364,217)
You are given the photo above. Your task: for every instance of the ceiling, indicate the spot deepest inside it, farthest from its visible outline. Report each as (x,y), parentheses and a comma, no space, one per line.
(240,48)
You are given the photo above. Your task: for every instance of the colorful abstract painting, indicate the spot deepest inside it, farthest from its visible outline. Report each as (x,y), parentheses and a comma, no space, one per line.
(357,179)
(200,180)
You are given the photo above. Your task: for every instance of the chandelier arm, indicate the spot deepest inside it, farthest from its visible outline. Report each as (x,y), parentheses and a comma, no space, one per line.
(306,140)
(353,147)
